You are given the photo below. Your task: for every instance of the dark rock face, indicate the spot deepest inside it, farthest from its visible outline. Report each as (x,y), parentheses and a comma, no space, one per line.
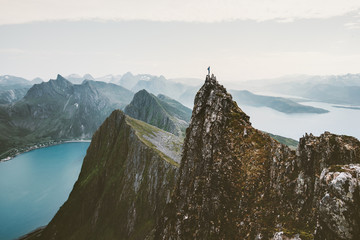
(339,207)
(224,186)
(313,156)
(237,183)
(121,190)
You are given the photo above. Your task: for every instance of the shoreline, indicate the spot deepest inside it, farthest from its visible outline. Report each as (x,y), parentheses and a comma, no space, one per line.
(35,146)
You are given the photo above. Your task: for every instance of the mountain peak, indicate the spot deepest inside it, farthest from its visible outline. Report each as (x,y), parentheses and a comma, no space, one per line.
(60,81)
(213,100)
(142,92)
(88,77)
(214,159)
(59,77)
(163,113)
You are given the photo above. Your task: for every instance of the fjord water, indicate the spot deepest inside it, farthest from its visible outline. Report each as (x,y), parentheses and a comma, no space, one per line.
(35,184)
(338,120)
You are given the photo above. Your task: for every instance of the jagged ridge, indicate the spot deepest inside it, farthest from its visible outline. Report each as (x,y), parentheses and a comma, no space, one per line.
(122,187)
(237,183)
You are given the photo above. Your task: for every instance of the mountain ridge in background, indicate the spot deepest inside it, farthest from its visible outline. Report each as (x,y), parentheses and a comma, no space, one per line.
(58,110)
(161,111)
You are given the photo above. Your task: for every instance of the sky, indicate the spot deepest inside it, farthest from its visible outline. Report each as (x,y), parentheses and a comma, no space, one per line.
(240,39)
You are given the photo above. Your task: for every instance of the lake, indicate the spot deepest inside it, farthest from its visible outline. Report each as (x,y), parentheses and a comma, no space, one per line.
(338,120)
(35,184)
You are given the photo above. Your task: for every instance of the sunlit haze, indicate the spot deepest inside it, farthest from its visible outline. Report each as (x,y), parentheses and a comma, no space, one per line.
(240,40)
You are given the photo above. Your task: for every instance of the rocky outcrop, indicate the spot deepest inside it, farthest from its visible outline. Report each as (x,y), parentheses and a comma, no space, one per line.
(224,189)
(163,112)
(339,206)
(125,182)
(237,183)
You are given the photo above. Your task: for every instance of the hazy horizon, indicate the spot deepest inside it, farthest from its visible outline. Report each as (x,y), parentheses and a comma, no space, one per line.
(240,40)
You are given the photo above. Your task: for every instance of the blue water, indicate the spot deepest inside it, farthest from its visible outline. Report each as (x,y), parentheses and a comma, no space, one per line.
(34,185)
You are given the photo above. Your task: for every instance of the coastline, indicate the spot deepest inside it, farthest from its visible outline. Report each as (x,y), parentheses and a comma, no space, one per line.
(21,150)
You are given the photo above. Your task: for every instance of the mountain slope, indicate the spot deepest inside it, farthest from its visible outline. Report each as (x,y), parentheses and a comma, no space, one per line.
(8,82)
(124,183)
(286,141)
(161,111)
(58,110)
(117,95)
(13,95)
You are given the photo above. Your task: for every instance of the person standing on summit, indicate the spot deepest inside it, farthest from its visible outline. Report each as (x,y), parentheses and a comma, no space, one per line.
(208,70)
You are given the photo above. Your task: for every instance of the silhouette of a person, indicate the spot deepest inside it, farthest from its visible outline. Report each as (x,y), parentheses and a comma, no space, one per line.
(209,70)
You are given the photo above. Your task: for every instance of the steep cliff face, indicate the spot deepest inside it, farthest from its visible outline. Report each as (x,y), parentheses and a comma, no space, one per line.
(224,188)
(237,183)
(161,111)
(314,155)
(126,179)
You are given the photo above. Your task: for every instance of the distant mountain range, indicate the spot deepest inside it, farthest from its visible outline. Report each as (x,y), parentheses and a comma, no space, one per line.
(337,89)
(12,95)
(14,88)
(58,110)
(340,91)
(8,82)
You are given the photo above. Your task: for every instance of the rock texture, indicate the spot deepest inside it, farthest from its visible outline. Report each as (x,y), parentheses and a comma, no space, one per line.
(235,182)
(122,188)
(339,207)
(161,111)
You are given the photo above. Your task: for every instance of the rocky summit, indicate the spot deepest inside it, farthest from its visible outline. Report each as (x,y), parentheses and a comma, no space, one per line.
(234,181)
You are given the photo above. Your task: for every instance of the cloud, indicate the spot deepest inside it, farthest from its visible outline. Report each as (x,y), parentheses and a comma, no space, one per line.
(23,11)
(352,25)
(12,50)
(355,23)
